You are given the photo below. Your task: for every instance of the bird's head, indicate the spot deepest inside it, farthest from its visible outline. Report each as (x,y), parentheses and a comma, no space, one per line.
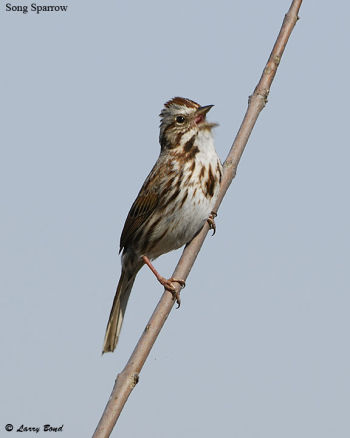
(181,116)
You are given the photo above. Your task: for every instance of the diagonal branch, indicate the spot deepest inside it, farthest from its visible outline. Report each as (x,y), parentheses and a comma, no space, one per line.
(129,377)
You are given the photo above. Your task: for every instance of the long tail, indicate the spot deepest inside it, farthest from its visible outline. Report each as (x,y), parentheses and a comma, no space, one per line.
(117,312)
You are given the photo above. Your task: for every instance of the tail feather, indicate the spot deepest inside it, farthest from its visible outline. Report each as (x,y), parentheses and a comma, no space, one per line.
(117,312)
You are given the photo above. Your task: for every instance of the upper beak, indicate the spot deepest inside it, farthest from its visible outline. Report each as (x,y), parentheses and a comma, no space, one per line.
(202,110)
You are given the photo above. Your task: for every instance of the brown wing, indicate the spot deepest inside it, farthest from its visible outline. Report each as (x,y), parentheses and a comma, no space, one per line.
(142,208)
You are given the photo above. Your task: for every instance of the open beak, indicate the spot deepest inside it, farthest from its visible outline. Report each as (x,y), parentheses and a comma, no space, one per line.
(203,109)
(201,113)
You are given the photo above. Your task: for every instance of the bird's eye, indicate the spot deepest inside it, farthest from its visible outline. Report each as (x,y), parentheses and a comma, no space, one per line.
(180,119)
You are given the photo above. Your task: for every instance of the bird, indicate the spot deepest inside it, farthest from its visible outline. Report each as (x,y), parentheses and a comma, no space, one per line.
(175,201)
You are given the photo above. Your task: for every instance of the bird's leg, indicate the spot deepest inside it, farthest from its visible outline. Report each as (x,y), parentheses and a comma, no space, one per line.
(211,221)
(165,282)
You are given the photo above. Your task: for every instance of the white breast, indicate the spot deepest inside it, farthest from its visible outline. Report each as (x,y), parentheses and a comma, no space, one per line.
(190,215)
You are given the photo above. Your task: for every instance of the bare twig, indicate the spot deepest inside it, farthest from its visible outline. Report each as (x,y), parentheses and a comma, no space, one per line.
(129,377)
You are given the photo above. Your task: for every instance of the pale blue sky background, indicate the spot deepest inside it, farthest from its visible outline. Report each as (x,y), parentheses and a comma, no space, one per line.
(260,346)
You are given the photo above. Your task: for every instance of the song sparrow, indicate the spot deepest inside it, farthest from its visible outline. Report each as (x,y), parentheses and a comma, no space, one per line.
(173,204)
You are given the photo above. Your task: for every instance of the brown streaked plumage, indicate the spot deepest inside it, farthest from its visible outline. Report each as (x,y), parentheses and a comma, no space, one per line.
(173,204)
(210,183)
(182,101)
